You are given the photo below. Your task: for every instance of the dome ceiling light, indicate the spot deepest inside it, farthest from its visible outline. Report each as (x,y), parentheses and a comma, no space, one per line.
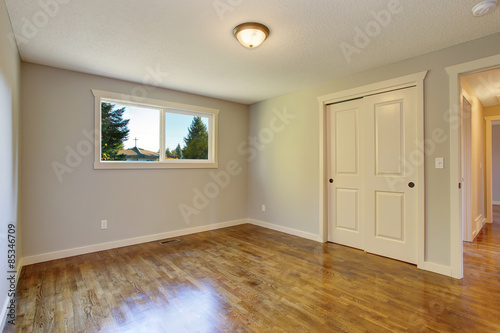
(251,34)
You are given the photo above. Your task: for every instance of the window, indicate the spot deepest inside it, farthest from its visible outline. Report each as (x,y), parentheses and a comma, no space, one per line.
(152,134)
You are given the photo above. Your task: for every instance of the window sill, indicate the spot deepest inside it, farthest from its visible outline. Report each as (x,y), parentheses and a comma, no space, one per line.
(117,165)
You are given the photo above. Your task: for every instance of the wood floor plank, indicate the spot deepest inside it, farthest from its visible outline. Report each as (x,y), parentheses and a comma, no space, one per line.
(252,279)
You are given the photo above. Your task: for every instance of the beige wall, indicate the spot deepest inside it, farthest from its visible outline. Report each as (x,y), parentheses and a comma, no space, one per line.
(477,152)
(284,176)
(9,115)
(57,105)
(495,139)
(494,159)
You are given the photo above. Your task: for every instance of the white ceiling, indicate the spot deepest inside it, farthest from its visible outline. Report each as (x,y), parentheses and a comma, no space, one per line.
(486,86)
(193,42)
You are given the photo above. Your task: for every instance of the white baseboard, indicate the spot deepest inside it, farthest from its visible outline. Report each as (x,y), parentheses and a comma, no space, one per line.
(286,230)
(429,266)
(477,226)
(496,202)
(3,313)
(126,242)
(436,268)
(19,267)
(482,223)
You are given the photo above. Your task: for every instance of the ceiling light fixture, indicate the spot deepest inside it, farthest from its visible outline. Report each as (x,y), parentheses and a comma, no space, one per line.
(251,34)
(484,7)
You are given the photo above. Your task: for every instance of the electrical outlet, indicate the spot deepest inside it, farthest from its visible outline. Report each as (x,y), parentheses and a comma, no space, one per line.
(263,208)
(104,224)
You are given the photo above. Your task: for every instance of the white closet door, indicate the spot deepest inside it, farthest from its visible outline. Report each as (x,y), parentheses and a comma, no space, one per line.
(345,193)
(392,157)
(374,158)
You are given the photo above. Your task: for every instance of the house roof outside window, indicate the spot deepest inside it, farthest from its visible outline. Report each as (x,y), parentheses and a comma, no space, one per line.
(139,154)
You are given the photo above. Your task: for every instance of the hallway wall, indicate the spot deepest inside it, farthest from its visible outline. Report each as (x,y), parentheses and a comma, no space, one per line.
(496,163)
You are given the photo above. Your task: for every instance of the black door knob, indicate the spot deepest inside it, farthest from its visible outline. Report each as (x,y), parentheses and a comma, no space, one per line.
(411,184)
(331,180)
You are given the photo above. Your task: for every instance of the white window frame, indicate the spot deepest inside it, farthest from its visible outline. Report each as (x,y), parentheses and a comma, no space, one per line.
(164,107)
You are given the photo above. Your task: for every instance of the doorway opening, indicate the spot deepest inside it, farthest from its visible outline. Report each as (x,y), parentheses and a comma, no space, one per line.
(495,168)
(470,183)
(482,88)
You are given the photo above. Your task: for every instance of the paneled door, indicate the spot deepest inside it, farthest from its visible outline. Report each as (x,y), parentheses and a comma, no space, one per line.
(392,159)
(374,157)
(345,193)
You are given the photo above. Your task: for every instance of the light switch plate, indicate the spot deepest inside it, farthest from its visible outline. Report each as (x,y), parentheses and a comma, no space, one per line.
(439,163)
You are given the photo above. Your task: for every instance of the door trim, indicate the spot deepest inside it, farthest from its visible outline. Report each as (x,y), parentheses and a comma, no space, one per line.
(455,72)
(466,160)
(416,80)
(489,167)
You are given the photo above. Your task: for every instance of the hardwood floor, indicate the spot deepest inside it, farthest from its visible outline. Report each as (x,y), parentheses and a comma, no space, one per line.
(251,279)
